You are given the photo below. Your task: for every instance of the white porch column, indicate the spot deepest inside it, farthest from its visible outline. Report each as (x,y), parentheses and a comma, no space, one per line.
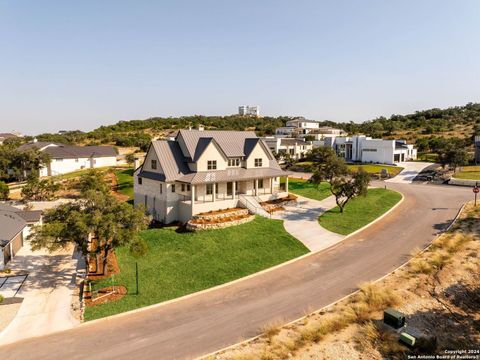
(193,199)
(271,185)
(214,193)
(286,184)
(256,187)
(234,189)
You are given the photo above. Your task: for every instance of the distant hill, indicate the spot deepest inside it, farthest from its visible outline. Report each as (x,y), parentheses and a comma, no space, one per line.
(460,121)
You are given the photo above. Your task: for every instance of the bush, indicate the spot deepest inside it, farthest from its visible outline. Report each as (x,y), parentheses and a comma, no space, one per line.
(4,191)
(40,190)
(376,297)
(420,266)
(1,298)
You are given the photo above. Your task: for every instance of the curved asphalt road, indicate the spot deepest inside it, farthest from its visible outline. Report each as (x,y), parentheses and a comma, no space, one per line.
(219,318)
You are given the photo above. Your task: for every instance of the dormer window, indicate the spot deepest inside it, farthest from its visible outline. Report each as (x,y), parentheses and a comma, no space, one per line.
(212,165)
(233,162)
(154,165)
(258,162)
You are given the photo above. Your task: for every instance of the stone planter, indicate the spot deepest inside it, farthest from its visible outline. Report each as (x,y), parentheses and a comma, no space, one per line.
(193,226)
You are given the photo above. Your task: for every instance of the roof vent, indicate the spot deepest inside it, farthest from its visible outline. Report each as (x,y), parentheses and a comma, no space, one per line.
(201,128)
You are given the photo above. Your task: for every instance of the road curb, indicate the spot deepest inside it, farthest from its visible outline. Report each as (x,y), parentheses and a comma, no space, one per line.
(261,272)
(346,296)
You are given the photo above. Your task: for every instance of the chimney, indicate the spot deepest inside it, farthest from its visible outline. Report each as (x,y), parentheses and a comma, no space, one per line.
(35,140)
(136,163)
(201,128)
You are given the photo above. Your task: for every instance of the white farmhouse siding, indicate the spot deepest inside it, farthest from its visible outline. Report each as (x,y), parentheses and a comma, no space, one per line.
(67,158)
(201,171)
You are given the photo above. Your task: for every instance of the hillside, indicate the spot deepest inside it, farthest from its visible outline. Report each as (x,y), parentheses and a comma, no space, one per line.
(460,121)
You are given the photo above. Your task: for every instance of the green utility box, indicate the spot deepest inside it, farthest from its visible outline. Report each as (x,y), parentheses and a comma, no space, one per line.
(394,318)
(407,339)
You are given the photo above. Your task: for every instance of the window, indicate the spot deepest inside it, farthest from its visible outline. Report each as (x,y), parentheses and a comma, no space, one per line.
(233,162)
(260,183)
(59,160)
(76,160)
(173,188)
(209,189)
(188,187)
(258,162)
(183,187)
(212,165)
(370,150)
(161,188)
(139,180)
(154,164)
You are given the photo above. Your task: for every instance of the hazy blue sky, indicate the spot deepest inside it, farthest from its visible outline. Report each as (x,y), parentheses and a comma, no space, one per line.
(79,64)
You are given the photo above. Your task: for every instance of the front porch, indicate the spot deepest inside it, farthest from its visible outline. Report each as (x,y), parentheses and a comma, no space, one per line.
(223,195)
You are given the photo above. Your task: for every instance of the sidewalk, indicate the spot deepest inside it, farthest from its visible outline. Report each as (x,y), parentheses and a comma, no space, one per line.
(301,221)
(47,294)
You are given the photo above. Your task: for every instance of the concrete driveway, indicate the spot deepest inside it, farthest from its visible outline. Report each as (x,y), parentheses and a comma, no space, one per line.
(47,293)
(410,171)
(212,320)
(301,221)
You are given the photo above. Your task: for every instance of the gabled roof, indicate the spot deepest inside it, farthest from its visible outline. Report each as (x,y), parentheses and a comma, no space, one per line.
(10,225)
(61,151)
(171,161)
(232,143)
(30,216)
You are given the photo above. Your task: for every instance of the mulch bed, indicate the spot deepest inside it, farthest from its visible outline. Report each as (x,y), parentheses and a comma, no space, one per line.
(219,220)
(120,292)
(112,180)
(112,268)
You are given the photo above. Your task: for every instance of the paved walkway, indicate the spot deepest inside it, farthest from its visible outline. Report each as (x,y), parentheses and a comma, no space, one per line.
(301,221)
(410,171)
(47,294)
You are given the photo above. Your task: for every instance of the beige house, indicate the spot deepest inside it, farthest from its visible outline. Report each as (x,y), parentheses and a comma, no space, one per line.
(200,171)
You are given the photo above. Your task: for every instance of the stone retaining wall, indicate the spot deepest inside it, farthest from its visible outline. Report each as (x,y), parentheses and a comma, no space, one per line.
(463,182)
(221,215)
(219,225)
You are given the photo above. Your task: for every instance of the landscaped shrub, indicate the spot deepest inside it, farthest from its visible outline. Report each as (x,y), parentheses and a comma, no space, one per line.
(1,298)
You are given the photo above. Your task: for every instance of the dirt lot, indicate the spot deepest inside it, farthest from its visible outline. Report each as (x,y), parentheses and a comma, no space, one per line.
(438,290)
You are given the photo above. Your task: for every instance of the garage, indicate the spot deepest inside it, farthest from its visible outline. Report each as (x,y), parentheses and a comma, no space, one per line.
(11,235)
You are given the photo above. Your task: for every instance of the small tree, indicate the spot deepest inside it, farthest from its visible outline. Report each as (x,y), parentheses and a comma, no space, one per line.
(4,191)
(453,154)
(40,189)
(130,158)
(93,180)
(328,167)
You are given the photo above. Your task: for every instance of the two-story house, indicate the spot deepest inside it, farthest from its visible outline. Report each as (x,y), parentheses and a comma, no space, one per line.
(201,171)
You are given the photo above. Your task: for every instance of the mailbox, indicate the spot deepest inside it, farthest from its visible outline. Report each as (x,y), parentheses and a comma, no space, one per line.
(407,339)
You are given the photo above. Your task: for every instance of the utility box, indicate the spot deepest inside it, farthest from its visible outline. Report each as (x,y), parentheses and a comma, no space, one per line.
(407,339)
(394,318)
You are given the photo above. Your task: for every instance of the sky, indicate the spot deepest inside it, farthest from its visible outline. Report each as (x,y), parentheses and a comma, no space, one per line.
(68,64)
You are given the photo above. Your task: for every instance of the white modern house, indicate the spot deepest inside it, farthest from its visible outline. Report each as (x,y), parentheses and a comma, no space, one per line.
(296,148)
(201,171)
(297,127)
(68,158)
(367,150)
(248,110)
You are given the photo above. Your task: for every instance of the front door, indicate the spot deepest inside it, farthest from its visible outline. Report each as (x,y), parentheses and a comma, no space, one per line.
(229,189)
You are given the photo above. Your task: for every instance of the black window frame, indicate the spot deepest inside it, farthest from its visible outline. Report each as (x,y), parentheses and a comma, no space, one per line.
(258,162)
(211,164)
(153,164)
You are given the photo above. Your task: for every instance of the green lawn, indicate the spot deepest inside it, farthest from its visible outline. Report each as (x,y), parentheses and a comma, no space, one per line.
(182,263)
(376,169)
(125,182)
(308,190)
(359,211)
(468,173)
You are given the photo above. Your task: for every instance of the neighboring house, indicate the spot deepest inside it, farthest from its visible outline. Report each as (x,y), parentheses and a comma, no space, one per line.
(5,136)
(297,126)
(246,110)
(201,171)
(68,158)
(297,149)
(15,226)
(477,149)
(367,150)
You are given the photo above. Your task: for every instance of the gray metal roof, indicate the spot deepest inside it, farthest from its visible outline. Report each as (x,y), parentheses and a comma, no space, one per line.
(171,159)
(285,141)
(232,143)
(233,174)
(10,225)
(30,216)
(60,151)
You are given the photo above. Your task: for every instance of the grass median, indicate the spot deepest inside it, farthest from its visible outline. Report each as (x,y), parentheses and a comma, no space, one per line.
(359,211)
(179,263)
